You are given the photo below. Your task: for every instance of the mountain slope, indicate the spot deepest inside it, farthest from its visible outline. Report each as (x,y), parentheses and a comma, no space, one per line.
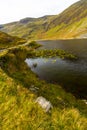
(32,28)
(9,41)
(71,23)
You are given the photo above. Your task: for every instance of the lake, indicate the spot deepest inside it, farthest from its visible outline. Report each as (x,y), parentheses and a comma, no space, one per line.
(71,75)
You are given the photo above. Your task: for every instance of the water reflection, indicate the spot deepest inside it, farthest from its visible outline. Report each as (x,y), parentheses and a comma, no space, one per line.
(56,70)
(71,75)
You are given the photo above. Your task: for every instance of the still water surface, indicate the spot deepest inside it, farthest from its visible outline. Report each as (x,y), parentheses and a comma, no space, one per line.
(71,75)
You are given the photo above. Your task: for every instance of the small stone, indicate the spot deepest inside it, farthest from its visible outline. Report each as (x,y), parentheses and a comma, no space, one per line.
(33,88)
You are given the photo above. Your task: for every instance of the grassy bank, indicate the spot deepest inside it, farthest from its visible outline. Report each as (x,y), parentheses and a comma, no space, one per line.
(18,110)
(9,41)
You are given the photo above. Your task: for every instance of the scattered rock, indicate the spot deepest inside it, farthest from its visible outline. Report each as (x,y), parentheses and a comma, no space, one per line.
(45,104)
(33,88)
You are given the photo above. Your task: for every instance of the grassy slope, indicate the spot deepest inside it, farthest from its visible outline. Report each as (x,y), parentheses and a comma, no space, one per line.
(17,107)
(9,41)
(72,23)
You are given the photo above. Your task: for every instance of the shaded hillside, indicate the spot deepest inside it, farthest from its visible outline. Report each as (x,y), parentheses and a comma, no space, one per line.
(71,23)
(9,41)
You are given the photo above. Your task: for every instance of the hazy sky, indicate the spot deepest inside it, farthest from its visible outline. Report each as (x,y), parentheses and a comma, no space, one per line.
(12,10)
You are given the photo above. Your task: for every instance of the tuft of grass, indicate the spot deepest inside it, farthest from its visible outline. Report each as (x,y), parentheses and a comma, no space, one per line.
(34,45)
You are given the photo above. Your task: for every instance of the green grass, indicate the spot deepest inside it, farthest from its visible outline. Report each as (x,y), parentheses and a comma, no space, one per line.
(18,110)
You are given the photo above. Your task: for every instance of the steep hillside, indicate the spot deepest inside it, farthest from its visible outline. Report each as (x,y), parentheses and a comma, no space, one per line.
(71,23)
(9,41)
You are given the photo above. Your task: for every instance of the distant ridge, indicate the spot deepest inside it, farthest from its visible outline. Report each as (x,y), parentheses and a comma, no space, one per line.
(71,23)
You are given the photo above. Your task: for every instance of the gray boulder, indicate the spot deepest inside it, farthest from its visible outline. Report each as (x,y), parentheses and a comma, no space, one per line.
(45,104)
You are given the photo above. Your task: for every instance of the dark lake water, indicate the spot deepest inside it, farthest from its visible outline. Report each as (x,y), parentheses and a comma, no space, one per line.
(71,75)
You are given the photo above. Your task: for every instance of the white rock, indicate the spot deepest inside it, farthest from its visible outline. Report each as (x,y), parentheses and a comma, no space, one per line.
(85,101)
(45,104)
